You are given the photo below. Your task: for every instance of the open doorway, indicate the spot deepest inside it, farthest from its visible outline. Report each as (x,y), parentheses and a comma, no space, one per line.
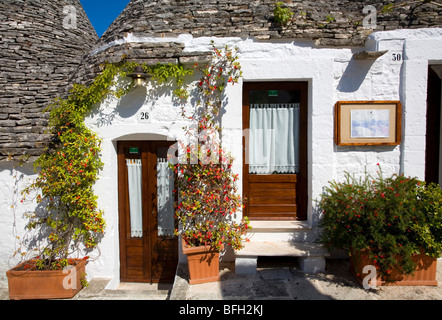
(433,164)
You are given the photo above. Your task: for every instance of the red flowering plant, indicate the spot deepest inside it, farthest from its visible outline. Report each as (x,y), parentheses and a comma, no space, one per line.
(387,218)
(208,201)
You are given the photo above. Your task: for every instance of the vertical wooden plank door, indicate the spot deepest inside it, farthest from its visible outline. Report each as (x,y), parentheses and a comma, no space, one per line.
(275,150)
(148,248)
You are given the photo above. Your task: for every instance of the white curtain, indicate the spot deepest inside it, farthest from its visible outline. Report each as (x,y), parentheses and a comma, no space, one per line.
(136,214)
(165,187)
(274,138)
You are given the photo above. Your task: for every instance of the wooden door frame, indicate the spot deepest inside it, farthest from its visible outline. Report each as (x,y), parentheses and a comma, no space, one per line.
(149,212)
(302,184)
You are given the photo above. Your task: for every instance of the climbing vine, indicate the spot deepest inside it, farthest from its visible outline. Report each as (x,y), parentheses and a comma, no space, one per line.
(173,74)
(67,216)
(207,192)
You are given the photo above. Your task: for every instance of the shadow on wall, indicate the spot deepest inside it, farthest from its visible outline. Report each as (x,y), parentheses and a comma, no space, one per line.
(354,75)
(16,178)
(25,169)
(127,106)
(139,96)
(131,102)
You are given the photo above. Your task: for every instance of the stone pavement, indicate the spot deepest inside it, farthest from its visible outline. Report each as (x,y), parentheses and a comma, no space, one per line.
(286,282)
(275,280)
(125,291)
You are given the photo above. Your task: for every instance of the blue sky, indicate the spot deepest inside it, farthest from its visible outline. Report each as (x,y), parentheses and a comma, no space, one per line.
(102,13)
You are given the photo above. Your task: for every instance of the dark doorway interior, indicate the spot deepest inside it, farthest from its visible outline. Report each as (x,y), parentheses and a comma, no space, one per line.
(432,154)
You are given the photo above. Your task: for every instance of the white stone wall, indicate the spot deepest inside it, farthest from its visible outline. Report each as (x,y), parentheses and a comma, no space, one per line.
(13,178)
(332,75)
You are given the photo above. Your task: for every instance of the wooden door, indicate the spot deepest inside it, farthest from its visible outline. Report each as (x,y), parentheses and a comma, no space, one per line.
(149,255)
(276,195)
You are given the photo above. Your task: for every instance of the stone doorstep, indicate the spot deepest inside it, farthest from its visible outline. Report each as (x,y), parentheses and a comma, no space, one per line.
(282,248)
(311,256)
(125,290)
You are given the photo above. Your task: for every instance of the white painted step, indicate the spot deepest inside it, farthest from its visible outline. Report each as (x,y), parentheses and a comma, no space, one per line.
(282,248)
(280,231)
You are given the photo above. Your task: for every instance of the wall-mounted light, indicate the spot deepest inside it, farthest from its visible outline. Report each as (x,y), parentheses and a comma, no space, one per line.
(138,75)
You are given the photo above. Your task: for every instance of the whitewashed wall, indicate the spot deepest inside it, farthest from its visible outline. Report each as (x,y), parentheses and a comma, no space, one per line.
(13,178)
(332,75)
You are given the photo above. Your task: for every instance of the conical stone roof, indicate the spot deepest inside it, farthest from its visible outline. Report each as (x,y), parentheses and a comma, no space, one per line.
(326,22)
(42,43)
(147,31)
(40,57)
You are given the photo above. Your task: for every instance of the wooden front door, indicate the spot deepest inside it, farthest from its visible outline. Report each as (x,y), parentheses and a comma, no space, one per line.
(148,248)
(275,164)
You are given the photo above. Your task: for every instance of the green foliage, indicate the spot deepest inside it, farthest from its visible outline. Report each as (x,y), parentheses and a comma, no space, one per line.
(67,213)
(282,13)
(209,202)
(83,281)
(387,8)
(386,217)
(208,199)
(67,218)
(329,18)
(175,73)
(224,69)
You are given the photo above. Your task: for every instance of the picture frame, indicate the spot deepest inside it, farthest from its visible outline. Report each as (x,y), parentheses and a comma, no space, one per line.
(364,123)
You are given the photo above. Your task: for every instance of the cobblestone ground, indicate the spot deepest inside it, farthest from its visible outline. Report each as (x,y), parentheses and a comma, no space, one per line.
(286,281)
(274,280)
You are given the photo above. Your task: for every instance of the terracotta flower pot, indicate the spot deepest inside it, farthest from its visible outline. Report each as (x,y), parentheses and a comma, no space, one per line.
(46,284)
(203,263)
(424,275)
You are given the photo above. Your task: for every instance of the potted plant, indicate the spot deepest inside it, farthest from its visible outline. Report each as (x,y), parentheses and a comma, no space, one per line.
(66,222)
(207,213)
(393,224)
(207,194)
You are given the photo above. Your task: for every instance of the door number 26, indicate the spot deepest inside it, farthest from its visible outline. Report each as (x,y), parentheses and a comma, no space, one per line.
(144,115)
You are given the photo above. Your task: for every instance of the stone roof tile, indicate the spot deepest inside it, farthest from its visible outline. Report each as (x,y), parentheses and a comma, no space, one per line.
(38,54)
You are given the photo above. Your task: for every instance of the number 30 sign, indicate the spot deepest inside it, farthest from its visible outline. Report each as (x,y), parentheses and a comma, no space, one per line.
(396,57)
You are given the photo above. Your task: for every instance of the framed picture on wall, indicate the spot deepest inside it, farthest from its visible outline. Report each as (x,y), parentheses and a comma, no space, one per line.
(368,123)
